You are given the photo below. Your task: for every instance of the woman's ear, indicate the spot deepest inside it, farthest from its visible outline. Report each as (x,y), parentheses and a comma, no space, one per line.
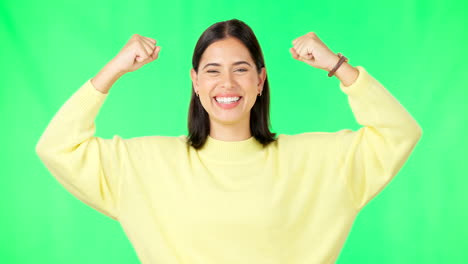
(193,76)
(261,79)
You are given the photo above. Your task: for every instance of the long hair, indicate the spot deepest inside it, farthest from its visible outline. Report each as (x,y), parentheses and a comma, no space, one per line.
(198,118)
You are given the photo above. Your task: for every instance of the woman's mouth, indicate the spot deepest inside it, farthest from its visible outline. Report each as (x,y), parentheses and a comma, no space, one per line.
(227,102)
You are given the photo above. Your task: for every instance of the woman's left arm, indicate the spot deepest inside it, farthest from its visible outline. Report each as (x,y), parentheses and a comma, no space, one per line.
(370,157)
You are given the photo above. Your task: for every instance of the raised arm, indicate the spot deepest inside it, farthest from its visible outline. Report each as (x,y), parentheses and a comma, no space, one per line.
(88,166)
(373,155)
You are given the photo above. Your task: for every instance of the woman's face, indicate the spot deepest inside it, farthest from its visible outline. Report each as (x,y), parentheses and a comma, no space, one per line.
(227,81)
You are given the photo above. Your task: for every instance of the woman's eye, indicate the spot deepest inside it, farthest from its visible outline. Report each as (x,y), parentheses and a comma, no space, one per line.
(241,70)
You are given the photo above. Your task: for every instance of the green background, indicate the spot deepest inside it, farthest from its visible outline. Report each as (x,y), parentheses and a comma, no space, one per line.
(416,49)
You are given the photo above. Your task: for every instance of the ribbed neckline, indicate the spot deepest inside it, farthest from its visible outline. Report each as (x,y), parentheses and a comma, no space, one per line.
(232,151)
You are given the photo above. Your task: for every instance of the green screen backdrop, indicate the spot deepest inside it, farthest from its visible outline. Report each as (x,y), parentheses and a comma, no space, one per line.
(416,49)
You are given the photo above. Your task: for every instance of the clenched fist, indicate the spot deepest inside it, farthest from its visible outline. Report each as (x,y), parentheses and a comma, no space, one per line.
(137,52)
(311,50)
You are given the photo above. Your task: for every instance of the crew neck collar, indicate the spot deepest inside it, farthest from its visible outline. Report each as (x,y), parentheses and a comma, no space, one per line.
(232,151)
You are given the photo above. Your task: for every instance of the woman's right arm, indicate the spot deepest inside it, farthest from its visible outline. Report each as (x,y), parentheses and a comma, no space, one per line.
(88,166)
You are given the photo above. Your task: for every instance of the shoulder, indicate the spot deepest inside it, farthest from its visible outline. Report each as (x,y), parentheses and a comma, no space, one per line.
(156,143)
(157,139)
(313,143)
(308,138)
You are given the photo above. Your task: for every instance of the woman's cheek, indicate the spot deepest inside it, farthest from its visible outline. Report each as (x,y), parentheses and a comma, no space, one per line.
(209,83)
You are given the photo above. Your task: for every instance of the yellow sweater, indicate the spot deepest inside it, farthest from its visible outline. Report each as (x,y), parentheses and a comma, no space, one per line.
(292,202)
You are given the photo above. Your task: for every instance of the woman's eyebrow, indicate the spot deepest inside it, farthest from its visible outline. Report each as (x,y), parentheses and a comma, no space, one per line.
(235,63)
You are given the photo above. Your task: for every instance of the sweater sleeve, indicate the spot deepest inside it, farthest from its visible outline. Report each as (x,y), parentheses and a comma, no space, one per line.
(87,166)
(373,155)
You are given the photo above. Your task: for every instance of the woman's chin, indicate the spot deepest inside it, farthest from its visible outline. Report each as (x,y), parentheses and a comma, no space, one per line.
(227,118)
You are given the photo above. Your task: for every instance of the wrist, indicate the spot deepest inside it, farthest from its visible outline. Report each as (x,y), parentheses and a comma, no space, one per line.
(112,70)
(105,78)
(333,62)
(347,74)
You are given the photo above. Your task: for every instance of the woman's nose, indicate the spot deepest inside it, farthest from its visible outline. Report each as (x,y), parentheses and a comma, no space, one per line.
(227,80)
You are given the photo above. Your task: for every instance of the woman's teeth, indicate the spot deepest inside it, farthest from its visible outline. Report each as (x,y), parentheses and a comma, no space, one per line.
(227,100)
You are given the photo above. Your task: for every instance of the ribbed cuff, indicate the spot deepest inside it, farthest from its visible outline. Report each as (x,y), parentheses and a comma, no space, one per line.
(90,85)
(88,99)
(362,81)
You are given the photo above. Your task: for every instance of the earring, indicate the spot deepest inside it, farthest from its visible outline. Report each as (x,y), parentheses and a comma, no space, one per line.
(197,94)
(260,93)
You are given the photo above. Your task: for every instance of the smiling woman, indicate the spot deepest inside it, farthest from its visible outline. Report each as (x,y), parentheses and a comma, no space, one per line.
(230,192)
(232,100)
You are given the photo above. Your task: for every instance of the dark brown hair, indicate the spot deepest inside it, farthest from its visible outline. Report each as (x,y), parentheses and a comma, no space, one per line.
(198,118)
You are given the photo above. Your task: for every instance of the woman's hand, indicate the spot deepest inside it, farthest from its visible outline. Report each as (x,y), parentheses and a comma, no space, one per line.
(311,50)
(137,52)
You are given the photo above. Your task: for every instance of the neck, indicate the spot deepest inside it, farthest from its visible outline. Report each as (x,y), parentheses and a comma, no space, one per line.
(231,132)
(231,152)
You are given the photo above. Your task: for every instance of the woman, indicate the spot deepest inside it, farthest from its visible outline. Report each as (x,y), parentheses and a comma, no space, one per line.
(231,191)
